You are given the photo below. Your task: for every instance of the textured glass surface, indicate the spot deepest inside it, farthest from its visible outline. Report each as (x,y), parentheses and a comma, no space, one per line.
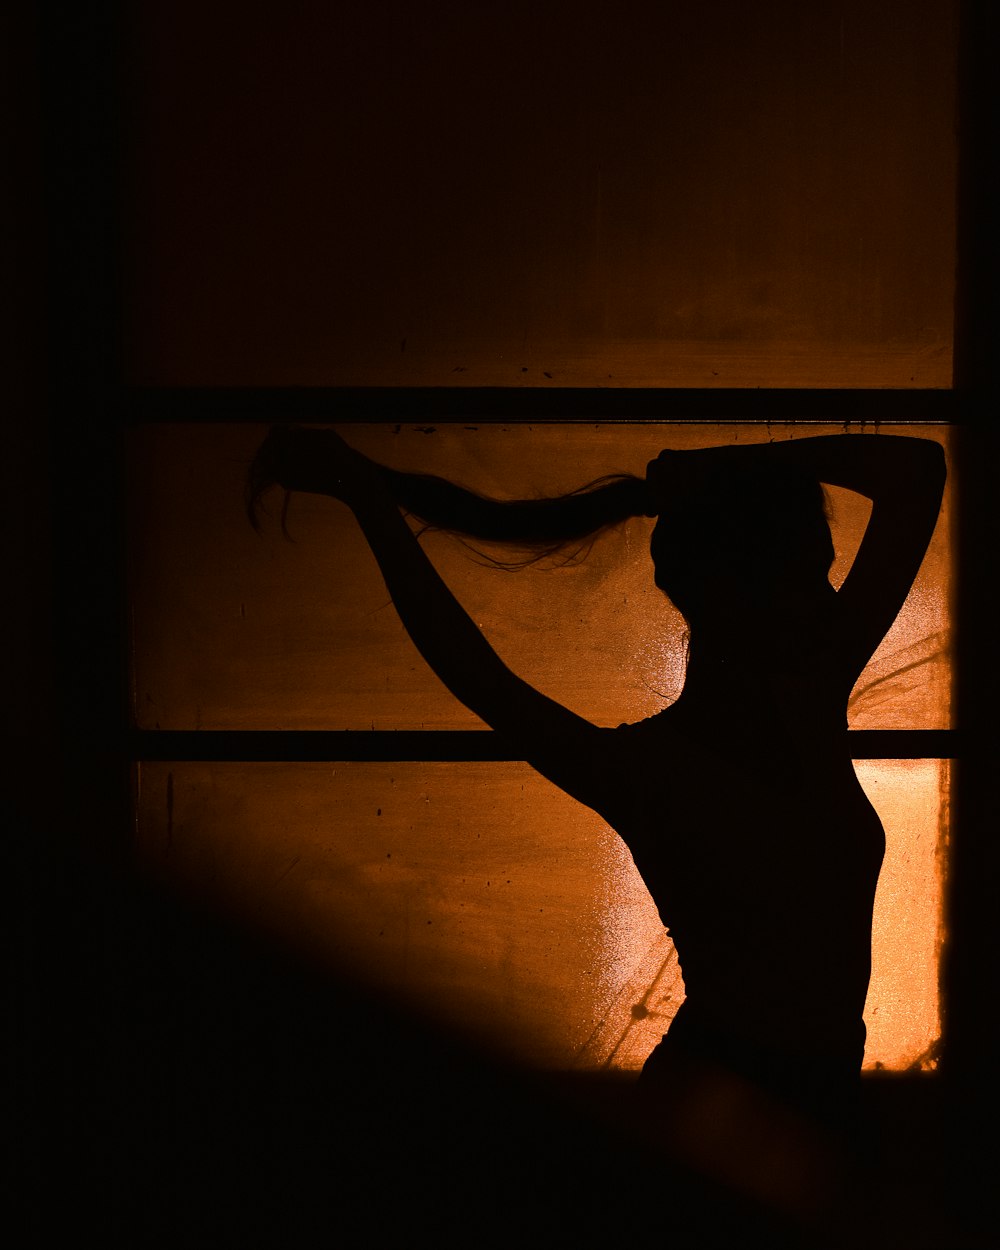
(659,194)
(236,631)
(484,896)
(903,1010)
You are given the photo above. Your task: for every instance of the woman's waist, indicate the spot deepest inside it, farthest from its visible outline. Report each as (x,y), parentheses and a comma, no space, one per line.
(801,1033)
(804,984)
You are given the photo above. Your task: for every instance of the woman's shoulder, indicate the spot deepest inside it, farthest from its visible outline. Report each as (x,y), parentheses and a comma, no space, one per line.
(661,735)
(660,722)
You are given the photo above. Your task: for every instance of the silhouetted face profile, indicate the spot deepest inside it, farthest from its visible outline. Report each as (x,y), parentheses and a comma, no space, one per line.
(749,542)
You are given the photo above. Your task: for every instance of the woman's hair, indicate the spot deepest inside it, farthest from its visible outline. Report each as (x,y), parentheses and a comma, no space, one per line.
(764,525)
(538,527)
(757,529)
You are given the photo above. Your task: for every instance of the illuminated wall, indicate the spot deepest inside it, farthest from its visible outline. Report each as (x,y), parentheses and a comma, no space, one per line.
(235,633)
(552,195)
(476,893)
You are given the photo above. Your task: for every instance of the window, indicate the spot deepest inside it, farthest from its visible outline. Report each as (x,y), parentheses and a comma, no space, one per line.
(455,198)
(461,233)
(473,890)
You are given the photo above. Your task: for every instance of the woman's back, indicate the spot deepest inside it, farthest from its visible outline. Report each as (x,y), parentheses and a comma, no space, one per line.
(761,852)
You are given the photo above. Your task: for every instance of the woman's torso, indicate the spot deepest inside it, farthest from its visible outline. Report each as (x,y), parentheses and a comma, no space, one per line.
(745,819)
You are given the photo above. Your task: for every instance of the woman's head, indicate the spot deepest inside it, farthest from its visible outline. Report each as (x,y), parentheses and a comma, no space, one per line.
(742,538)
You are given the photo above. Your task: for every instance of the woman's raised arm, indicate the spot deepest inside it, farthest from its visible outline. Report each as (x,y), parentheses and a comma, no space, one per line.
(560,744)
(903,477)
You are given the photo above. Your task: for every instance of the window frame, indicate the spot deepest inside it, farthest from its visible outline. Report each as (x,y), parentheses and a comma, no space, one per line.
(71,385)
(68,715)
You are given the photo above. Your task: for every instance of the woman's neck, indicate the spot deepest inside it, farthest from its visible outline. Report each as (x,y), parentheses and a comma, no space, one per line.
(715,663)
(745,642)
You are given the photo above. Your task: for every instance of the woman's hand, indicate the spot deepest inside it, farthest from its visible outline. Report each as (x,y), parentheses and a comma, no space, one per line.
(676,476)
(314,460)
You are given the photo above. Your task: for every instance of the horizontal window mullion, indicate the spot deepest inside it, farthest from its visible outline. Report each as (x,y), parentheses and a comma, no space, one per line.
(519,404)
(301,746)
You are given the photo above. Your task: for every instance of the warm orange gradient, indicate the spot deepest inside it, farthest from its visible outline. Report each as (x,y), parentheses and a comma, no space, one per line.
(477,893)
(485,898)
(232,632)
(903,1008)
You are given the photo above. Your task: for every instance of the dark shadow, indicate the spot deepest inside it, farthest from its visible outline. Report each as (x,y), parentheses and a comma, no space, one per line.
(190,1086)
(739,802)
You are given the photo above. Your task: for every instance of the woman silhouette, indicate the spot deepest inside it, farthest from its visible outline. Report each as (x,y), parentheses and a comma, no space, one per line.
(739,802)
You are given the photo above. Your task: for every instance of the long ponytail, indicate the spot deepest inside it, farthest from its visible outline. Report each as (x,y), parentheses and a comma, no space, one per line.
(541,526)
(537,527)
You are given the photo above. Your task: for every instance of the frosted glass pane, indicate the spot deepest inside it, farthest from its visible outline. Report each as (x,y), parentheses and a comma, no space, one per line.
(485,897)
(903,1008)
(236,631)
(570,195)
